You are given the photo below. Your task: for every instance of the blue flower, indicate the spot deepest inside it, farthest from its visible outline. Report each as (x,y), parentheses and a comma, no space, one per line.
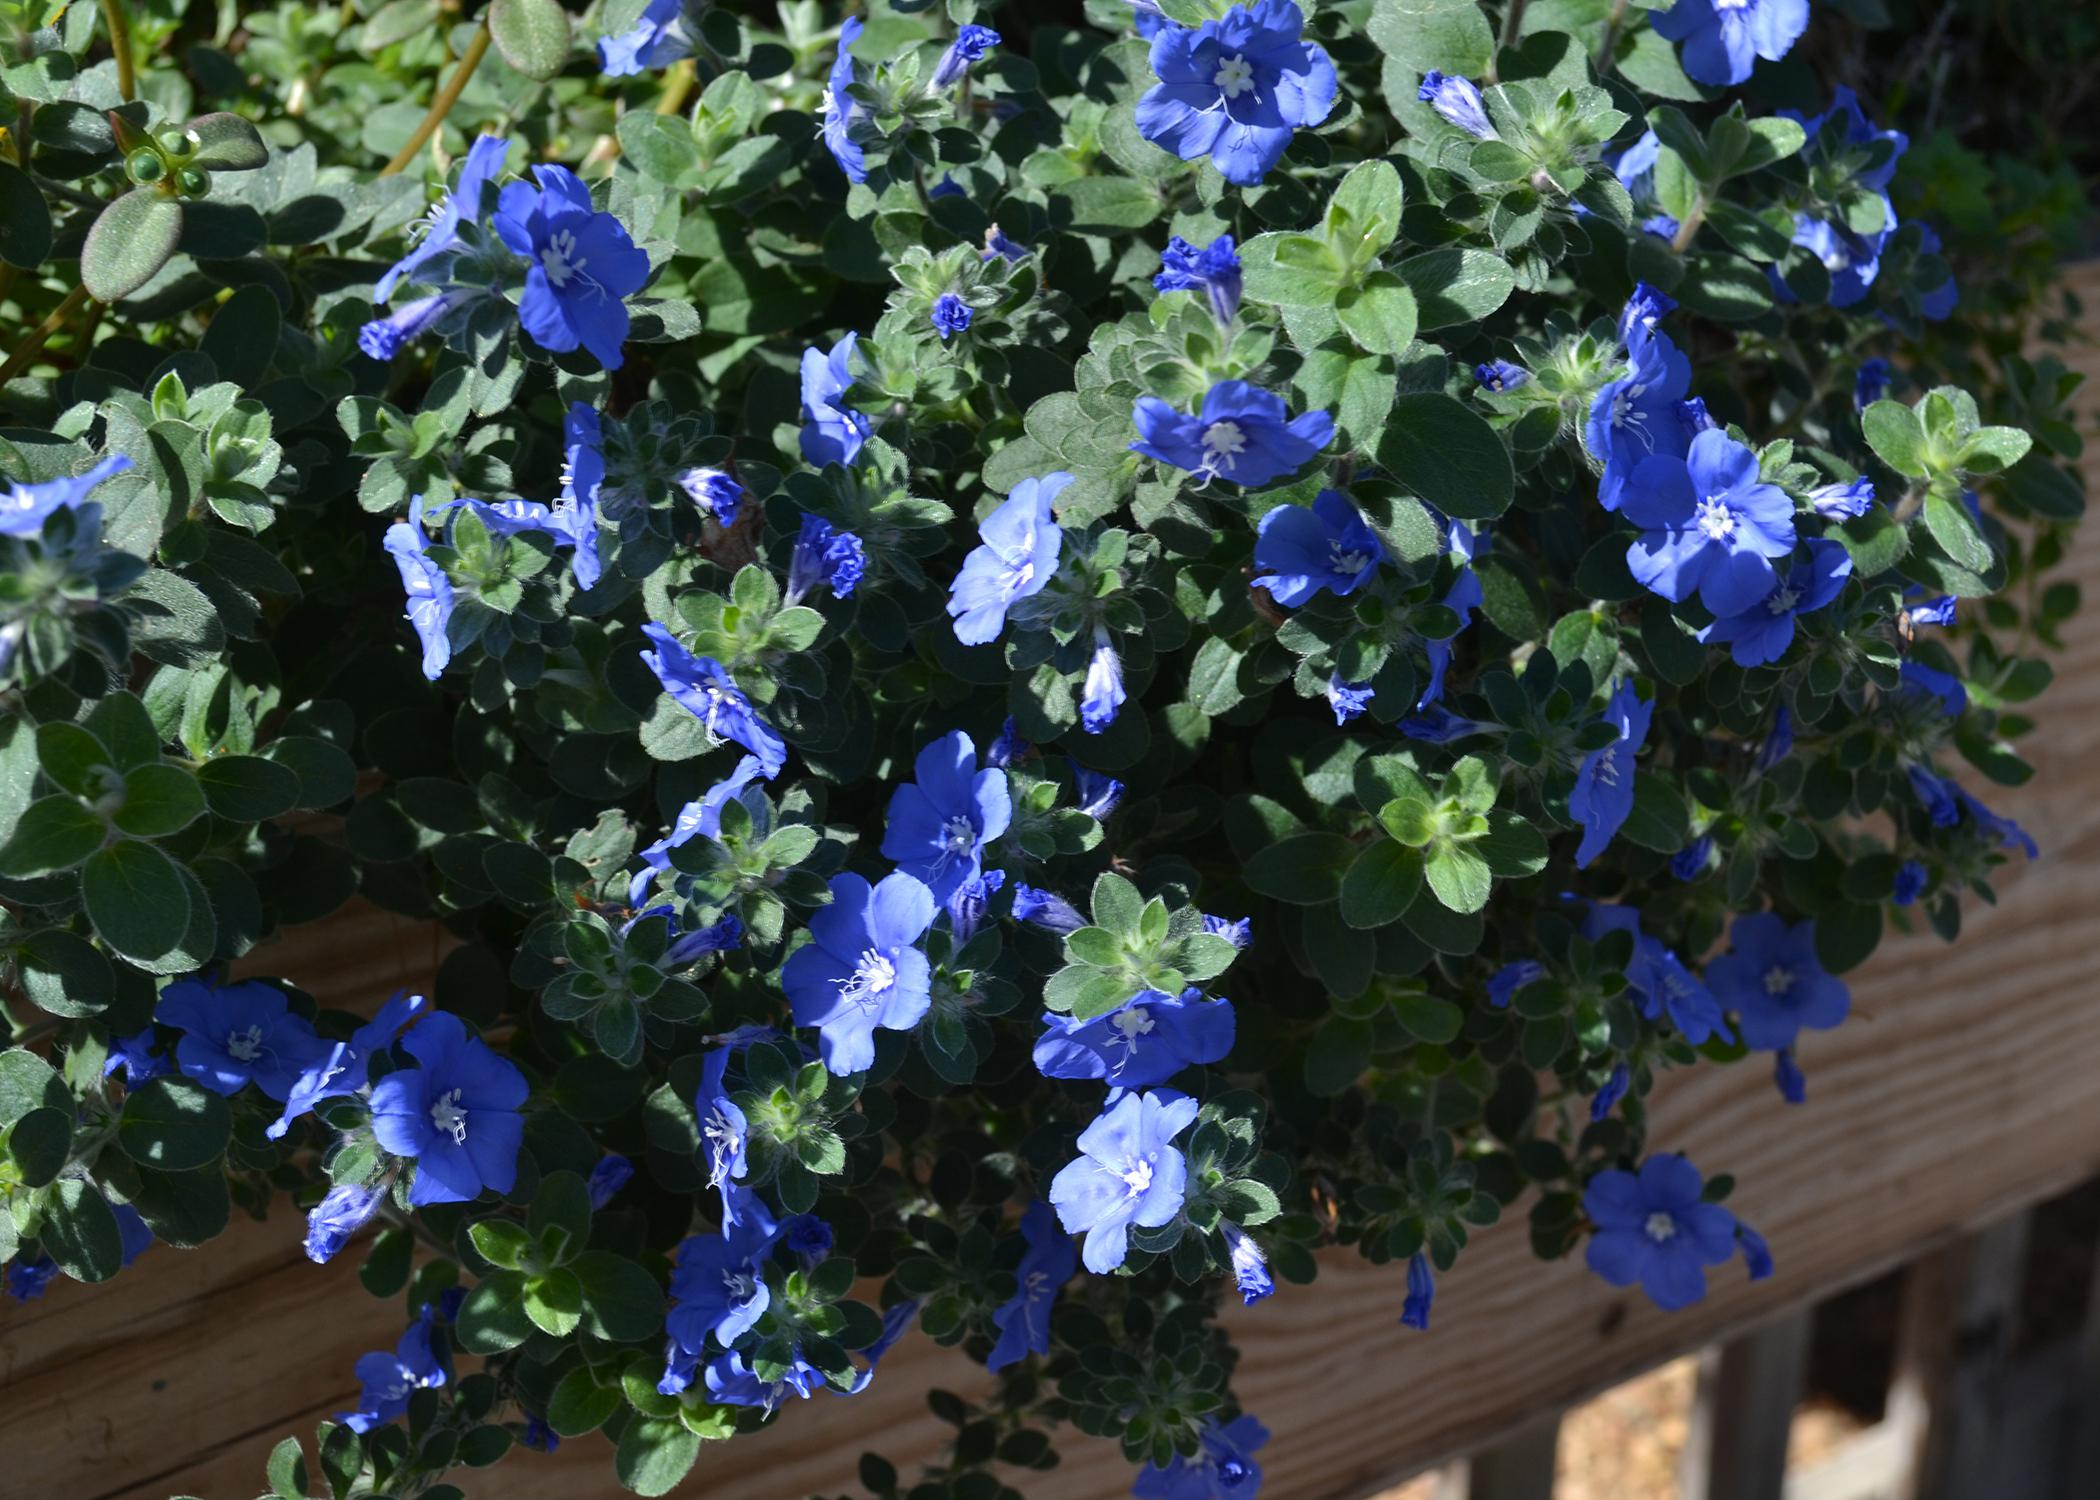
(1710,525)
(1238,933)
(1643,314)
(456,1113)
(832,433)
(1242,435)
(1724,38)
(28,1279)
(1499,375)
(972,44)
(1761,633)
(714,492)
(1940,301)
(656,39)
(383,338)
(1690,862)
(1128,1172)
(1757,1255)
(1213,271)
(1858,147)
(1221,1469)
(1923,682)
(582,268)
(823,555)
(1843,502)
(1101,696)
(612,1173)
(333,1070)
(1147,19)
(730,1382)
(1046,910)
(1250,1268)
(1146,1040)
(1235,89)
(862,971)
(1872,382)
(1788,1078)
(1937,611)
(1653,1229)
(706,691)
(1018,558)
(2006,833)
(1458,101)
(841,110)
(1098,792)
(1421,1293)
(1348,699)
(137,1056)
(1047,1263)
(1302,549)
(997,243)
(428,586)
(718,1286)
(346,1208)
(237,1035)
(1771,978)
(459,207)
(1779,744)
(951,315)
(134,1235)
(1910,883)
(573,519)
(538,1436)
(1634,419)
(702,817)
(390,1379)
(1635,168)
(724,1132)
(938,826)
(717,937)
(1939,796)
(1439,726)
(1009,747)
(1463,597)
(1613,1091)
(1603,795)
(967,906)
(807,1237)
(1504,983)
(1852,259)
(1657,978)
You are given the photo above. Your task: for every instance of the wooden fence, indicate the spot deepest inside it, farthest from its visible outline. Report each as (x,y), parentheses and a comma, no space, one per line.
(1960,1092)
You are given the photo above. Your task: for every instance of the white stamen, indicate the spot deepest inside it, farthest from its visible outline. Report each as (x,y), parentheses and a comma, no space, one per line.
(1224,442)
(1715,518)
(1235,76)
(446,1114)
(560,260)
(1778,980)
(1783,601)
(1139,1177)
(1660,1227)
(871,980)
(958,833)
(1348,564)
(1607,772)
(244,1046)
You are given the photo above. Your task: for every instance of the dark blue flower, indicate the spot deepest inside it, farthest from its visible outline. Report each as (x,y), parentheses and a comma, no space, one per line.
(951,315)
(456,1113)
(1779,744)
(1757,1255)
(840,110)
(1852,259)
(1711,526)
(702,818)
(2004,831)
(1858,145)
(1761,633)
(1872,382)
(390,1379)
(655,40)
(1302,549)
(1250,1268)
(1348,699)
(383,338)
(1017,559)
(714,492)
(1047,1263)
(1653,1228)
(137,1056)
(1643,314)
(1843,502)
(1243,435)
(1634,418)
(1724,38)
(938,825)
(1694,418)
(1937,611)
(134,1235)
(1009,747)
(832,432)
(428,586)
(1238,933)
(346,1208)
(1939,796)
(730,1382)
(1500,375)
(807,1237)
(334,1069)
(972,44)
(573,519)
(705,690)
(1147,19)
(1439,726)
(1613,1091)
(1458,101)
(1690,862)
(1235,89)
(1098,793)
(1213,271)
(1788,1078)
(1922,682)
(583,266)
(967,904)
(237,1035)
(823,555)
(1771,978)
(1656,977)
(724,1132)
(538,1436)
(862,971)
(716,937)
(1128,1172)
(459,207)
(1603,795)
(1940,301)
(1503,984)
(997,243)
(1421,1293)
(28,1278)
(1146,1040)
(1911,879)
(718,1286)
(1221,1470)
(1463,597)
(1101,696)
(612,1173)
(1046,910)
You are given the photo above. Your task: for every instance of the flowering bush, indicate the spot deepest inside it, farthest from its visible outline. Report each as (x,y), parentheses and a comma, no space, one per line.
(871,570)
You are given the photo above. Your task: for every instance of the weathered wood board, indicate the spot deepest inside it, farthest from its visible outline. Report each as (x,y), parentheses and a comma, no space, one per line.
(1963,1087)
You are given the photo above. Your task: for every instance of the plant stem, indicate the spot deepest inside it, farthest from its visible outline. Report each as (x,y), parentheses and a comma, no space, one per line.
(1690,226)
(1610,44)
(120,44)
(678,82)
(442,104)
(26,351)
(1513,23)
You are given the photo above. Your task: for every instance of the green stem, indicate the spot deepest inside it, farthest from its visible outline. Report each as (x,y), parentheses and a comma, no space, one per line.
(442,104)
(1690,226)
(1513,23)
(1610,43)
(120,44)
(26,352)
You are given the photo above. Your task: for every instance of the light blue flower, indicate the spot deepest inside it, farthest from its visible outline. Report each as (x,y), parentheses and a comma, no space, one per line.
(1046,909)
(1098,793)
(1774,982)
(1101,696)
(832,432)
(656,40)
(1300,550)
(972,44)
(1656,977)
(582,264)
(1634,418)
(718,1286)
(1724,38)
(1603,796)
(840,110)
(341,1213)
(1762,633)
(1222,1469)
(704,688)
(25,507)
(1017,560)
(701,817)
(237,1034)
(383,338)
(1843,502)
(1236,89)
(388,1380)
(1146,1040)
(456,1113)
(1348,699)
(1243,435)
(1023,1320)
(1653,1228)
(1458,101)
(337,1069)
(1239,933)
(1250,1268)
(1128,1172)
(1213,271)
(714,492)
(461,206)
(1711,525)
(863,970)
(951,315)
(939,825)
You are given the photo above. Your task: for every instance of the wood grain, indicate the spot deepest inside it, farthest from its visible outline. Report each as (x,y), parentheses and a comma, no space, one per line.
(1961,1089)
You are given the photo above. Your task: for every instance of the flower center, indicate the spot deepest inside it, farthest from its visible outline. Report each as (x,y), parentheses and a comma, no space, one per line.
(1837,257)
(446,1114)
(1715,518)
(244,1046)
(740,1284)
(1732,4)
(721,1145)
(1660,1227)
(1778,980)
(1139,1177)
(559,259)
(1224,441)
(1608,766)
(958,834)
(1233,1471)
(1783,601)
(1235,76)
(1349,563)
(871,980)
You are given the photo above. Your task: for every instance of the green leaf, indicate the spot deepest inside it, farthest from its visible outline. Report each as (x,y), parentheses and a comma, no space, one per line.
(561,1215)
(54,833)
(27,1082)
(1989,449)
(1116,904)
(1450,36)
(1214,677)
(1379,314)
(1381,885)
(501,1242)
(1955,529)
(38,1145)
(621,1300)
(175,1125)
(1894,432)
(249,789)
(80,1232)
(1304,869)
(1459,877)
(1429,1018)
(1448,455)
(1454,286)
(579,1404)
(158,801)
(1363,216)
(25,219)
(286,1469)
(1339,1052)
(532,35)
(1511,846)
(129,243)
(64,974)
(1659,820)
(554,1302)
(137,899)
(1094,945)
(76,760)
(493,1318)
(226,143)
(655,1453)
(124,727)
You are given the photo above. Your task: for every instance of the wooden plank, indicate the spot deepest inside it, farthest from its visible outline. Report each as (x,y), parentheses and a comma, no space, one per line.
(1743,1411)
(1960,1091)
(1520,1467)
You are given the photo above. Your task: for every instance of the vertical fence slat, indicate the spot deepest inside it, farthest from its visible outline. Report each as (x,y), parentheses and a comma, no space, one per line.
(1518,1468)
(1744,1409)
